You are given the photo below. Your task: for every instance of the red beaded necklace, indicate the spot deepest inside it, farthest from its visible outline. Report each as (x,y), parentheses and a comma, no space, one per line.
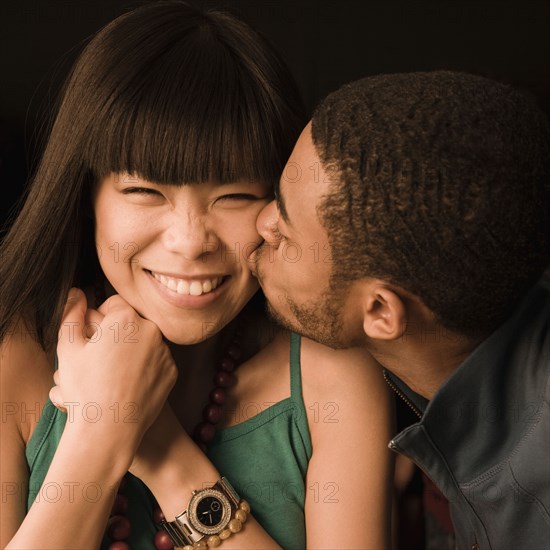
(223,378)
(119,526)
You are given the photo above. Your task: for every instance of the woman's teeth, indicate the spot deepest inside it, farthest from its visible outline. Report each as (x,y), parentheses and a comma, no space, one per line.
(192,288)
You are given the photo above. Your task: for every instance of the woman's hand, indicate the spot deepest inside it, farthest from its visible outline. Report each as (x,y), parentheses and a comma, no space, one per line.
(115,372)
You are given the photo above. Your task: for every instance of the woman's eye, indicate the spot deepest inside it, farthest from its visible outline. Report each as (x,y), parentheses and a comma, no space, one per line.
(140,191)
(239,196)
(237,200)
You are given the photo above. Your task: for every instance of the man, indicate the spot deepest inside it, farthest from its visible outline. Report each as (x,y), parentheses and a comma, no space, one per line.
(411,219)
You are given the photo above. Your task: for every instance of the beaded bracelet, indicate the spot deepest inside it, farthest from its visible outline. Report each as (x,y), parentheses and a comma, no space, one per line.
(234,526)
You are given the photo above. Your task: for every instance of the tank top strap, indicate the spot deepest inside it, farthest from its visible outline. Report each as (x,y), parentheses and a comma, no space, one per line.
(295,367)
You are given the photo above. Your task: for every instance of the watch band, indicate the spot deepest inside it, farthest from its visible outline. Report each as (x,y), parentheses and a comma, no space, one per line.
(186,529)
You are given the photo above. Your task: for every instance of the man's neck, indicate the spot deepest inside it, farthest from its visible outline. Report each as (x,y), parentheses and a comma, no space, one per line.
(423,364)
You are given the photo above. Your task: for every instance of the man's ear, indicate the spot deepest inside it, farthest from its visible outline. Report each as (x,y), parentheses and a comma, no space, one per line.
(384,312)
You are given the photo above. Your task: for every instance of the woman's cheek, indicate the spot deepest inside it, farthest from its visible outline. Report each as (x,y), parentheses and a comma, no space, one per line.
(239,229)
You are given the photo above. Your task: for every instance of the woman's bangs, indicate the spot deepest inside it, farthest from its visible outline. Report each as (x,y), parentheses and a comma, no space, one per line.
(187,119)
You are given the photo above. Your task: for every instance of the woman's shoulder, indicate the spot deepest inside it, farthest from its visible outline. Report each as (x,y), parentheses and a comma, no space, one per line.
(329,372)
(326,373)
(341,386)
(265,377)
(26,371)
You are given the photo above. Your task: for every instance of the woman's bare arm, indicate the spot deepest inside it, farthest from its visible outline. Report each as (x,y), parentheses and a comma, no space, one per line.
(92,456)
(350,474)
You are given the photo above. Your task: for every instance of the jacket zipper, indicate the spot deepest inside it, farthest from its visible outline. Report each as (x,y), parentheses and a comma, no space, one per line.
(402,396)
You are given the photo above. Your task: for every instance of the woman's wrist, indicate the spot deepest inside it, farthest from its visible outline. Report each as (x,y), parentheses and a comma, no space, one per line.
(182,470)
(114,447)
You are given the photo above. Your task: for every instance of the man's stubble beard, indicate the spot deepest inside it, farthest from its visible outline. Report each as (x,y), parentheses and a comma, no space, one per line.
(320,321)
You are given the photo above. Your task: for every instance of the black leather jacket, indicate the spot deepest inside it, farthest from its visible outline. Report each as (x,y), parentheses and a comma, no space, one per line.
(484,438)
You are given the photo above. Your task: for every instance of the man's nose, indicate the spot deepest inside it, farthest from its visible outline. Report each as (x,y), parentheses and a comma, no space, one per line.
(266,224)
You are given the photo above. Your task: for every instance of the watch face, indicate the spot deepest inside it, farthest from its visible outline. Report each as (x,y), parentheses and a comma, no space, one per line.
(209,511)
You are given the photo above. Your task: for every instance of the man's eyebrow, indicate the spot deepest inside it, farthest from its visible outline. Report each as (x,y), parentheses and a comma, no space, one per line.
(281,204)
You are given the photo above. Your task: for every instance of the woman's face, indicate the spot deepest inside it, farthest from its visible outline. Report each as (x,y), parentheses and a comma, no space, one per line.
(177,254)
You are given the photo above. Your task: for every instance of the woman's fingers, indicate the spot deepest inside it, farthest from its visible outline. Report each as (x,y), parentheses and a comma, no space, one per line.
(115,304)
(81,324)
(93,321)
(73,322)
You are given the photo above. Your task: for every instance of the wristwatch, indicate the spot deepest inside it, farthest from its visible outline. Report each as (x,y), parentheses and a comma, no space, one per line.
(208,513)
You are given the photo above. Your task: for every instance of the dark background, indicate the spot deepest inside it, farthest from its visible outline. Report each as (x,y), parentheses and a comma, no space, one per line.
(325,42)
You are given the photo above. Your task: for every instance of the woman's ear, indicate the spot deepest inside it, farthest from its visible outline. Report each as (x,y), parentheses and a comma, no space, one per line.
(384,312)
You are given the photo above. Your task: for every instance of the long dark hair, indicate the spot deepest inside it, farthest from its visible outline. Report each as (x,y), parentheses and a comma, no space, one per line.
(166,92)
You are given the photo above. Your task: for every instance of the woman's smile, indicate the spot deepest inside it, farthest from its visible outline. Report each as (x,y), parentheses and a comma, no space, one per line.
(188,293)
(188,286)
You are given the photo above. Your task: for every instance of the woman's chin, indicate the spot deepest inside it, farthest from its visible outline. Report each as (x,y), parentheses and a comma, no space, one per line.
(190,336)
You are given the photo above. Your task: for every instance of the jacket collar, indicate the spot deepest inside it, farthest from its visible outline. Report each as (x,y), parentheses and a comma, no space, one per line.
(484,408)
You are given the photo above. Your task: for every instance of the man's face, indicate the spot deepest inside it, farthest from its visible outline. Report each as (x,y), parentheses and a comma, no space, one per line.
(294,264)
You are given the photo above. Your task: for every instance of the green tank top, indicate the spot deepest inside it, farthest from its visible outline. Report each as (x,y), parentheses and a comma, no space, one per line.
(265,458)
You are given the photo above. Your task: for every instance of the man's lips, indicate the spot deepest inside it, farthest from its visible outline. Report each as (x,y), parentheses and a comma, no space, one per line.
(252,261)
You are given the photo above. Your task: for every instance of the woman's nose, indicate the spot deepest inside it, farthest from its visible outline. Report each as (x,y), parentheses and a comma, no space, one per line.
(189,235)
(266,224)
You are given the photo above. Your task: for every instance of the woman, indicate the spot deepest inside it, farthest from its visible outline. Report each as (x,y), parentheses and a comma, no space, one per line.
(172,128)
